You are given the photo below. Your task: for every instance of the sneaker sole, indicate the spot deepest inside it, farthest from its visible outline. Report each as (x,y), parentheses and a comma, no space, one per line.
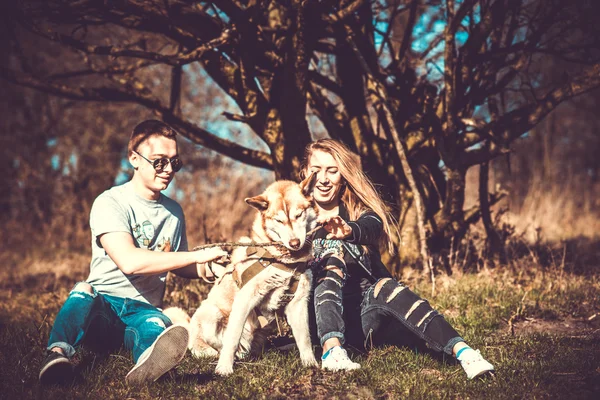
(339,369)
(483,373)
(171,345)
(57,371)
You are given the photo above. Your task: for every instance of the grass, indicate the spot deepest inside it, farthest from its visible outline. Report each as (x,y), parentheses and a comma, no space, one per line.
(496,311)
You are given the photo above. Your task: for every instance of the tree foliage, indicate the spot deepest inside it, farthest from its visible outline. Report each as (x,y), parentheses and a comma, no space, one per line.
(457,81)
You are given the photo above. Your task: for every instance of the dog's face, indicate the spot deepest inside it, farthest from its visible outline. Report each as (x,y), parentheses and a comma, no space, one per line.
(287,211)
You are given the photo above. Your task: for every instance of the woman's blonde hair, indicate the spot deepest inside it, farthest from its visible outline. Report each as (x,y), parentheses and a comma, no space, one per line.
(360,194)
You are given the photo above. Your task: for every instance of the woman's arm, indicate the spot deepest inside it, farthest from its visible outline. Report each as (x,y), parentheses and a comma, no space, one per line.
(366,230)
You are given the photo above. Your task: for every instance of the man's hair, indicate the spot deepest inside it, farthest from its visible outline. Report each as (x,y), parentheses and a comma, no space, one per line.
(360,194)
(146,129)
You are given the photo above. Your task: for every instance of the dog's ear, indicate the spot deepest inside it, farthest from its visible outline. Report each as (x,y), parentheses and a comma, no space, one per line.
(308,184)
(259,202)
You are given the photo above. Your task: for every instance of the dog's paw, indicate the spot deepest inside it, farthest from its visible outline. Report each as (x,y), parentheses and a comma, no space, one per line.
(309,361)
(224,370)
(203,352)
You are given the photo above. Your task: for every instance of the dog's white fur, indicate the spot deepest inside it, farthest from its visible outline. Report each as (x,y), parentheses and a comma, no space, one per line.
(177,316)
(226,323)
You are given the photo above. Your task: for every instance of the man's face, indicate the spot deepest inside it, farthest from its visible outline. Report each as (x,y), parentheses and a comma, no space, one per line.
(153,148)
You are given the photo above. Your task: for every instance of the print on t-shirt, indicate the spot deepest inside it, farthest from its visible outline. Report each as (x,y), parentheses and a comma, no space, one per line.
(164,245)
(144,233)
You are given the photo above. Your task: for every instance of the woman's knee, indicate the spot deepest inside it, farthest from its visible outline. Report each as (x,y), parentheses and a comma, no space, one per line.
(336,270)
(330,279)
(329,288)
(388,290)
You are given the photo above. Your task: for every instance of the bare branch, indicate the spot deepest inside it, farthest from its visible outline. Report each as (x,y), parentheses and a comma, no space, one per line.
(177,59)
(324,82)
(108,94)
(345,12)
(515,123)
(332,118)
(175,97)
(108,70)
(407,37)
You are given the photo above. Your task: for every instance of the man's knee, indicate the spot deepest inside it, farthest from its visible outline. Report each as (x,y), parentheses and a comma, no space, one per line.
(156,321)
(83,287)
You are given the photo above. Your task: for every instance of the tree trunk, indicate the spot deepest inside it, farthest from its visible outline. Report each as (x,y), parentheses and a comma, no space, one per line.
(288,138)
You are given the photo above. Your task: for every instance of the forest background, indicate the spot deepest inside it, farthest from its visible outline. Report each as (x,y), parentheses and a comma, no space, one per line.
(477,120)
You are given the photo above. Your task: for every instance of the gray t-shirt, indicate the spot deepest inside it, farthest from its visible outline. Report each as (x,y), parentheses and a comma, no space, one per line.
(157,225)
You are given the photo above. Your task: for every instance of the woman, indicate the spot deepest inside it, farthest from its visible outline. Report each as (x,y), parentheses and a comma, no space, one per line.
(352,286)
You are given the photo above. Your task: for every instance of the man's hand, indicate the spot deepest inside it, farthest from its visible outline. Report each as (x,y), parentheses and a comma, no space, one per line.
(211,271)
(210,254)
(205,256)
(336,226)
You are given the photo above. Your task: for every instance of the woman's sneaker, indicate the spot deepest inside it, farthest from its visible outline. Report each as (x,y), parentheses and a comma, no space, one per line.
(473,363)
(166,352)
(336,359)
(56,369)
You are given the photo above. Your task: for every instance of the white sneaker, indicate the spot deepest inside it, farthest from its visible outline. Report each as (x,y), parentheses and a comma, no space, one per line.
(165,353)
(473,363)
(336,359)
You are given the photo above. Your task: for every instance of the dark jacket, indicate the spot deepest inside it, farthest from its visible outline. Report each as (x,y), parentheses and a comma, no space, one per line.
(366,230)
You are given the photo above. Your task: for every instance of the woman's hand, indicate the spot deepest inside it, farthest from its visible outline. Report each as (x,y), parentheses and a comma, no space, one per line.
(336,226)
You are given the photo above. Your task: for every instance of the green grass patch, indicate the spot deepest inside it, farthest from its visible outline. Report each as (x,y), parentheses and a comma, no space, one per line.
(551,363)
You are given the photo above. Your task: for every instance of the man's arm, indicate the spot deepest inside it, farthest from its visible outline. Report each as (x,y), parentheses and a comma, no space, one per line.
(194,271)
(132,260)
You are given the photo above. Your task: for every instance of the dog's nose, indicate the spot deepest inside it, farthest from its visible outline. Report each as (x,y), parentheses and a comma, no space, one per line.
(295,243)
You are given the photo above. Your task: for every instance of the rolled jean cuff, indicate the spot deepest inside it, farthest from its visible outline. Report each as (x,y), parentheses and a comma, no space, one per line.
(65,347)
(451,343)
(330,335)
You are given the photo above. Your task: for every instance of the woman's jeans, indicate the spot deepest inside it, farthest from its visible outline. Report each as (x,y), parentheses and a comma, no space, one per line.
(329,306)
(330,277)
(106,322)
(388,312)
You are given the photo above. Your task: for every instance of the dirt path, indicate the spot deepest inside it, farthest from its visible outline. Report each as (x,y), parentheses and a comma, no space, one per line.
(568,326)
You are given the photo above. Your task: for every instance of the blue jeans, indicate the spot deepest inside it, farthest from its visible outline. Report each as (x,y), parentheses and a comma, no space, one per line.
(104,322)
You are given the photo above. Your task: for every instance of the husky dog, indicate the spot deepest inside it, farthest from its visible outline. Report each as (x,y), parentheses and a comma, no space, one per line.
(261,280)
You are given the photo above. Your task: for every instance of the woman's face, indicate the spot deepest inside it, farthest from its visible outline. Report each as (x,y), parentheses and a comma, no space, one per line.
(329,180)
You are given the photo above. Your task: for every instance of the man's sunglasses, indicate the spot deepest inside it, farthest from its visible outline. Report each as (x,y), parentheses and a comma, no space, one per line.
(161,163)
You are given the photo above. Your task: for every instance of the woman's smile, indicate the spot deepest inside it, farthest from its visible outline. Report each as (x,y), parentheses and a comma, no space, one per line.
(324,189)
(329,180)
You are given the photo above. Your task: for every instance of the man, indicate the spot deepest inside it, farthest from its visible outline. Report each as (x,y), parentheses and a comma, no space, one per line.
(138,235)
